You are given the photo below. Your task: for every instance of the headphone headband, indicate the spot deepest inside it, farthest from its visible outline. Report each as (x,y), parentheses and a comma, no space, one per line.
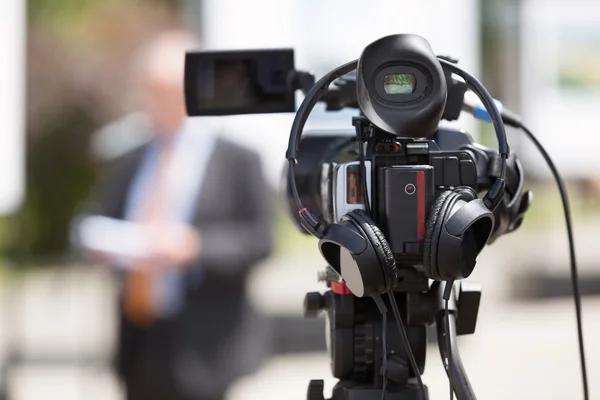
(491,199)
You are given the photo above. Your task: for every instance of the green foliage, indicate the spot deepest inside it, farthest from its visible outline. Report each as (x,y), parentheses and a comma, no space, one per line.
(72,10)
(60,16)
(59,176)
(69,18)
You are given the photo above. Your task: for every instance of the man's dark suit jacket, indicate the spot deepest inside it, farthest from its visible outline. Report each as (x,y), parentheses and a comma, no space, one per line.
(217,337)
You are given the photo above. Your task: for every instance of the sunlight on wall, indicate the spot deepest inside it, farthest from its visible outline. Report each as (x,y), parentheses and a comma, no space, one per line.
(12,100)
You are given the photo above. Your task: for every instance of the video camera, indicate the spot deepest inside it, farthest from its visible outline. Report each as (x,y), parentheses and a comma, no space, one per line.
(401,206)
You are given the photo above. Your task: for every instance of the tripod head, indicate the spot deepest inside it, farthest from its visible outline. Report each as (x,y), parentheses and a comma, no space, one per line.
(355,333)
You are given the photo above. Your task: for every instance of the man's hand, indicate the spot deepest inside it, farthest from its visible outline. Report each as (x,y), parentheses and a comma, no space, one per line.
(173,244)
(99,257)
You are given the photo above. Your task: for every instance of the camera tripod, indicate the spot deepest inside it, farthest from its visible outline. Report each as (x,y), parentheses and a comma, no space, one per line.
(354,339)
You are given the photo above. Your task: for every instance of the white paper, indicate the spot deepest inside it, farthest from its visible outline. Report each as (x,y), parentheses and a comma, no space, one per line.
(120,239)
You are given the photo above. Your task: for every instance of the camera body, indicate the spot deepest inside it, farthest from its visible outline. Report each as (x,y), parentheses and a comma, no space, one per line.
(403,178)
(401,92)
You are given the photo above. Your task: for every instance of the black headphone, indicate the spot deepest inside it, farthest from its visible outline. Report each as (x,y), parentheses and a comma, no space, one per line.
(457,229)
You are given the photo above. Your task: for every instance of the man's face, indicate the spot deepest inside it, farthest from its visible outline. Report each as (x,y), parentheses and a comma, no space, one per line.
(163,101)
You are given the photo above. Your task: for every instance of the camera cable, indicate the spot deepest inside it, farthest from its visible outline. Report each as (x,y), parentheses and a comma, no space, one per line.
(363,175)
(574,273)
(446,297)
(383,310)
(495,194)
(449,344)
(384,354)
(512,119)
(406,342)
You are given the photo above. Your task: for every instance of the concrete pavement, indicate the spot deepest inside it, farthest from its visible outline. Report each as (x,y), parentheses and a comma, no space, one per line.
(521,350)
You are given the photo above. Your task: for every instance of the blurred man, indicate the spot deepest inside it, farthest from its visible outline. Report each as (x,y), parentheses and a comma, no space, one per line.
(183,218)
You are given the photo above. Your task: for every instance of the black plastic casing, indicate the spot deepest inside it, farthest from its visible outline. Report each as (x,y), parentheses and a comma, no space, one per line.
(319,151)
(238,82)
(397,161)
(414,115)
(405,196)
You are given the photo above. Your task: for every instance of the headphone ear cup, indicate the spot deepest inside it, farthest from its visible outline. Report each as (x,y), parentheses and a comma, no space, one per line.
(457,231)
(383,252)
(434,224)
(467,229)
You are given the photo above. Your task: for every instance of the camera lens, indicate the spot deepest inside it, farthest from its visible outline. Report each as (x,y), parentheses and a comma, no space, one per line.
(399,83)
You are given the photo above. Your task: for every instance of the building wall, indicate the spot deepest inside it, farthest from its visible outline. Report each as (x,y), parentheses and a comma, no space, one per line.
(324,35)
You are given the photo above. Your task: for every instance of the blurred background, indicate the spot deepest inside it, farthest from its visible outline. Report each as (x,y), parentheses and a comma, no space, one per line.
(65,114)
